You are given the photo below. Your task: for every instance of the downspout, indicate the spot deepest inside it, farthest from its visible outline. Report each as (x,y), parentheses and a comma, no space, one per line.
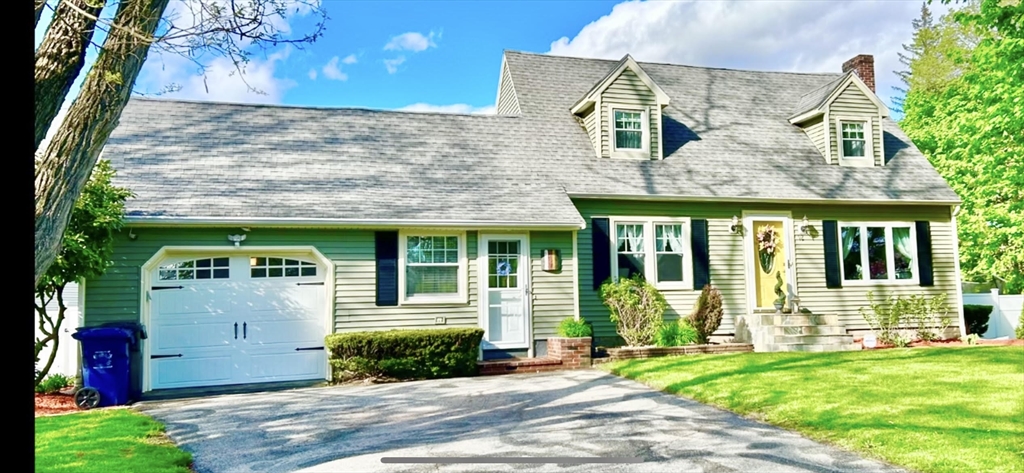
(959,279)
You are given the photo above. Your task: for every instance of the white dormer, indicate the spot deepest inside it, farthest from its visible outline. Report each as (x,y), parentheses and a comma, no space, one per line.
(622,113)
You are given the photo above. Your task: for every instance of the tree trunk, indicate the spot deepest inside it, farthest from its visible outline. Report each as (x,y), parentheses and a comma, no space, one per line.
(39,10)
(72,152)
(60,57)
(52,336)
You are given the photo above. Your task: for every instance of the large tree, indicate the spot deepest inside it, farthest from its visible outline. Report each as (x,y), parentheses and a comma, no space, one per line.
(199,28)
(971,127)
(87,251)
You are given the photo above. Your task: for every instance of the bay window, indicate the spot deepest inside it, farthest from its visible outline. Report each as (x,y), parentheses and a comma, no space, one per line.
(877,252)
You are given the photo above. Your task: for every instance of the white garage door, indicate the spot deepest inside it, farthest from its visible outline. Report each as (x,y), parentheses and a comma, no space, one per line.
(237,319)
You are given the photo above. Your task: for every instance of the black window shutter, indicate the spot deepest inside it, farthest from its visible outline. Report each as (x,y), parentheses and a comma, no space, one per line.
(830,232)
(924,253)
(386,245)
(601,251)
(701,255)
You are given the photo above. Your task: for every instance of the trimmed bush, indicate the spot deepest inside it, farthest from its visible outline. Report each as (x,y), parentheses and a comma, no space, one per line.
(404,354)
(676,334)
(53,383)
(572,328)
(636,308)
(707,313)
(1019,331)
(976,317)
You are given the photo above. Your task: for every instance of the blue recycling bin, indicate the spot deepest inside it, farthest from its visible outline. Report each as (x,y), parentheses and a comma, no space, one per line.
(105,362)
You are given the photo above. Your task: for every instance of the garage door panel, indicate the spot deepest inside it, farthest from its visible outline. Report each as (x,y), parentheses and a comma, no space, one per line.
(286,366)
(196,299)
(193,336)
(287,297)
(293,332)
(193,371)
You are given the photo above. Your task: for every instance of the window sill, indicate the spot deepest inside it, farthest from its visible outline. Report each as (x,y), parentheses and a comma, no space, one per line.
(879,282)
(438,301)
(857,162)
(631,154)
(674,286)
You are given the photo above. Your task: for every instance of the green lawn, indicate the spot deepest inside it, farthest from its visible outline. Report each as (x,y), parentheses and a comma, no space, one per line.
(929,409)
(106,441)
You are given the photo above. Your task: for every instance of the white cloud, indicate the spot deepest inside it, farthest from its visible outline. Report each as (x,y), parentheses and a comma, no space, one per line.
(412,41)
(312,74)
(783,36)
(350,59)
(392,64)
(452,108)
(331,70)
(222,81)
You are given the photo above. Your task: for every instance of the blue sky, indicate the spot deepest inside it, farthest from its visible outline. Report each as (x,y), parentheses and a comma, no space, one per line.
(446,55)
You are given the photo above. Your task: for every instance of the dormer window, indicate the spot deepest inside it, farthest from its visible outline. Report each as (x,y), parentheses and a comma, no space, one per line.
(853,139)
(629,126)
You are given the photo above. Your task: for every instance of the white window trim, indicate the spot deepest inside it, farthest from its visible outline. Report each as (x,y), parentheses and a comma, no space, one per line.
(868,160)
(463,273)
(890,255)
(645,132)
(650,255)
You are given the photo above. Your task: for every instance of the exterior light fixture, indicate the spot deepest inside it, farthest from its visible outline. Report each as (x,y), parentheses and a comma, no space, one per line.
(805,226)
(551,259)
(236,238)
(735,227)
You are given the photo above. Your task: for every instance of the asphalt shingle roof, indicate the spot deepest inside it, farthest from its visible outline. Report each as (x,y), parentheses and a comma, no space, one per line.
(726,136)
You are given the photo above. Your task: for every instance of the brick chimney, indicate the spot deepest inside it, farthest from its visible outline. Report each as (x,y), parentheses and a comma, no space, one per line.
(864,66)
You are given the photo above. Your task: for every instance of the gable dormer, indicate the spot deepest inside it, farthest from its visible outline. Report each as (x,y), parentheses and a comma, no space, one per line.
(843,118)
(622,113)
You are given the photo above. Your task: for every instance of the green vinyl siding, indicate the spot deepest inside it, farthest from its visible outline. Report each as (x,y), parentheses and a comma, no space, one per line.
(552,291)
(728,269)
(590,124)
(815,129)
(854,105)
(625,91)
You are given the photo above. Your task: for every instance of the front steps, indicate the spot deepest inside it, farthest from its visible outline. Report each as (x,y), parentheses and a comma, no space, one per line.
(776,332)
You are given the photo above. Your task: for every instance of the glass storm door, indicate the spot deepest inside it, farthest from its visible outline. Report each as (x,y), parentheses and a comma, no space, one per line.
(505,294)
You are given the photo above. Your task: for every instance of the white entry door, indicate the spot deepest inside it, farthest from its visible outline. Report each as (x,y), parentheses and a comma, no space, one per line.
(504,294)
(236,319)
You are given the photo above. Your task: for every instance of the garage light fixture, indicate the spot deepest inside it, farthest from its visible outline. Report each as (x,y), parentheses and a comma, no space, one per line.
(237,239)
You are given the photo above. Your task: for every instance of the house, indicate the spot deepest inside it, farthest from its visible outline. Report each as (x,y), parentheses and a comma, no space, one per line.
(258,229)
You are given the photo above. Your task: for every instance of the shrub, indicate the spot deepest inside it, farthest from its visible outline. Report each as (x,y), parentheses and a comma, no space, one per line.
(572,328)
(405,354)
(976,318)
(972,338)
(892,314)
(53,383)
(676,334)
(636,308)
(707,313)
(1019,331)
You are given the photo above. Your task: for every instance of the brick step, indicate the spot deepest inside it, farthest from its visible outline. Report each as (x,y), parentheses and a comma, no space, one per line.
(800,319)
(813,339)
(814,347)
(806,329)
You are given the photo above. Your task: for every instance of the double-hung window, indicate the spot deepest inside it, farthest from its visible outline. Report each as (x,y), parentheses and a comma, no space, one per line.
(628,129)
(657,249)
(434,267)
(878,251)
(852,141)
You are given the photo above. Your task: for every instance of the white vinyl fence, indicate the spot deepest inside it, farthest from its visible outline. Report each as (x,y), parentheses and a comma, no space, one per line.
(1005,312)
(66,362)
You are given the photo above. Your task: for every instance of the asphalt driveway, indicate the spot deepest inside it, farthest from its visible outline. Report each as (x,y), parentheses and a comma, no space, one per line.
(584,413)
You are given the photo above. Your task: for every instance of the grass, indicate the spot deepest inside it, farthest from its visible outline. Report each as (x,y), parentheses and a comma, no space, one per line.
(928,409)
(106,441)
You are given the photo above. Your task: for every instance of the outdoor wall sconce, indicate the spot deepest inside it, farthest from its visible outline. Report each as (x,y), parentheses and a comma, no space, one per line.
(131,235)
(805,227)
(237,239)
(551,259)
(736,227)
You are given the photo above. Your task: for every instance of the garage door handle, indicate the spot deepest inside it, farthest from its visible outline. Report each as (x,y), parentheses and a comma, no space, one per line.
(155,357)
(309,283)
(236,330)
(161,288)
(309,348)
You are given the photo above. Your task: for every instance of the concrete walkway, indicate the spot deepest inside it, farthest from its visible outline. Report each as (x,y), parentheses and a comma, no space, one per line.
(584,413)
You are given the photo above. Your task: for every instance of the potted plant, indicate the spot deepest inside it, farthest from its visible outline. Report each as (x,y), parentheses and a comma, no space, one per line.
(780,300)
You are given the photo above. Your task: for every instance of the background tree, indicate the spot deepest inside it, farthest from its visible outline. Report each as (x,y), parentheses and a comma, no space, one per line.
(197,30)
(972,130)
(87,251)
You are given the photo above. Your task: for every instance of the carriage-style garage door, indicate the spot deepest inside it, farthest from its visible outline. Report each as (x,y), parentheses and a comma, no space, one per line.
(236,319)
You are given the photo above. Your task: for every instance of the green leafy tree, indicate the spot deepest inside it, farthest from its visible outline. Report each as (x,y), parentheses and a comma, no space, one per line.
(87,250)
(972,130)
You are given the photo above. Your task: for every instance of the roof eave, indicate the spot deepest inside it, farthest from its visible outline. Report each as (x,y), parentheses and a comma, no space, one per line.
(162,221)
(690,198)
(803,117)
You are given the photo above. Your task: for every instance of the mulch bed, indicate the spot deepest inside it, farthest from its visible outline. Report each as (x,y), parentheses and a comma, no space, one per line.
(946,343)
(52,404)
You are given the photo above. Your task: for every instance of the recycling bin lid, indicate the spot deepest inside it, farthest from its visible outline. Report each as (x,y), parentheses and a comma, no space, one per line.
(103,333)
(136,327)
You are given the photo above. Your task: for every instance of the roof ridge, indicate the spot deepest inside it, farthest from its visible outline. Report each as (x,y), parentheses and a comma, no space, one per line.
(315,107)
(526,53)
